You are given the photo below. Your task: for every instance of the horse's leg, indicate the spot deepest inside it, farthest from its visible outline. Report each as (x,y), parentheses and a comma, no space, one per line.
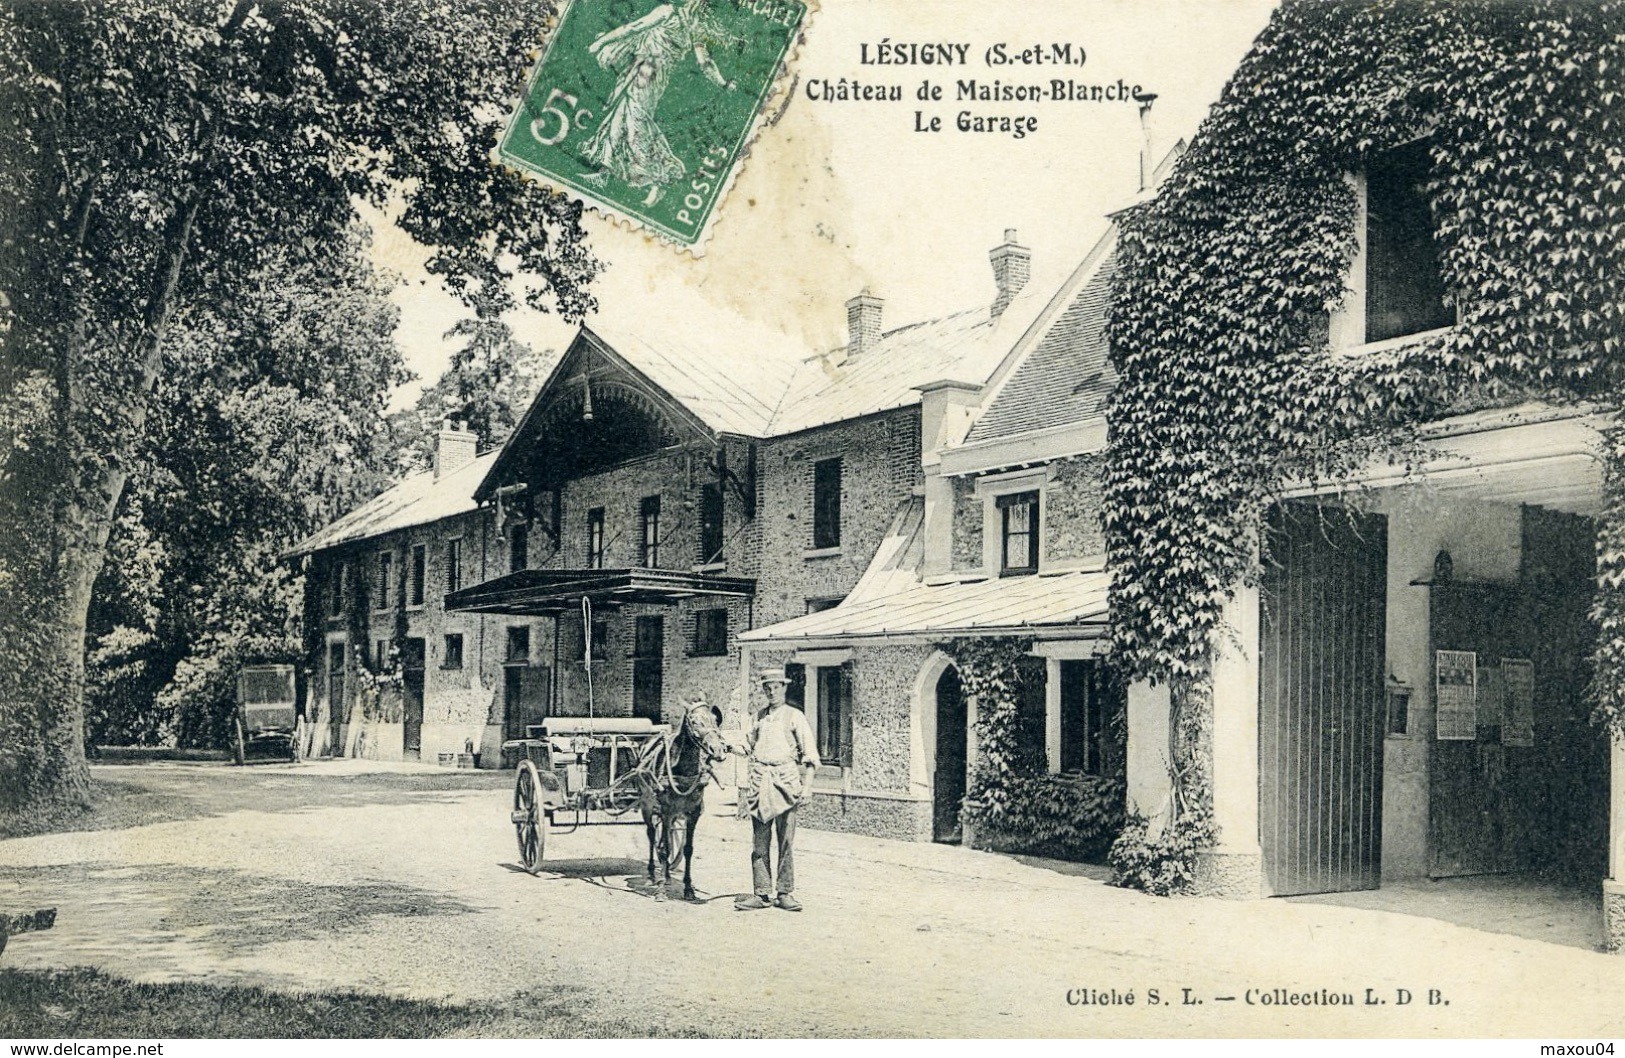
(688,853)
(649,831)
(665,852)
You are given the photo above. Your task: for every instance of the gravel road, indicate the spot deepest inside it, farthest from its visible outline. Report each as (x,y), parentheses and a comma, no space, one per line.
(403,882)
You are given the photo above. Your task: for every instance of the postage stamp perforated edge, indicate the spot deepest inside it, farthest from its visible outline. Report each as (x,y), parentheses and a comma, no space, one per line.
(772,100)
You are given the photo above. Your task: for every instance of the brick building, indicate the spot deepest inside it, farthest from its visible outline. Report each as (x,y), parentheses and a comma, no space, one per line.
(664,495)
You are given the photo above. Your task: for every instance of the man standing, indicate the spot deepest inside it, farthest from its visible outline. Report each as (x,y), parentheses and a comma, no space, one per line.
(783,756)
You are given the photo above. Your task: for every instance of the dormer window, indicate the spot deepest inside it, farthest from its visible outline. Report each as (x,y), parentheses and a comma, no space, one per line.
(1018,533)
(1404,287)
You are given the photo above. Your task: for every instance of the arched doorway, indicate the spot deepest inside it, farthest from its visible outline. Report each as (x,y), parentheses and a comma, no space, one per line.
(948,779)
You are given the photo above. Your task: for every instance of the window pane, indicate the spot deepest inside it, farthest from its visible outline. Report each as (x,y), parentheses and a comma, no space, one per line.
(649,514)
(1019,528)
(454,565)
(454,651)
(595,538)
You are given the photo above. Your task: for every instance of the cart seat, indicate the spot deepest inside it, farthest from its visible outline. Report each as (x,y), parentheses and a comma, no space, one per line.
(593,725)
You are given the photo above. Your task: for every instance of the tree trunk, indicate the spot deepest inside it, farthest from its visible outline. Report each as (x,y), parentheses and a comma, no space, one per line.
(42,711)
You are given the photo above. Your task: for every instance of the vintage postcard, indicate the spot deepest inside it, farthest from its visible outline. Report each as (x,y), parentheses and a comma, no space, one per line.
(1117,536)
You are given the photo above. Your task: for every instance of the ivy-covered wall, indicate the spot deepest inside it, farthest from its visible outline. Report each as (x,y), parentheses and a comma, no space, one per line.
(1228,388)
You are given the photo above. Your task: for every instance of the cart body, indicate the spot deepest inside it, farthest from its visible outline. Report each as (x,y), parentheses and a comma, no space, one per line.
(267,721)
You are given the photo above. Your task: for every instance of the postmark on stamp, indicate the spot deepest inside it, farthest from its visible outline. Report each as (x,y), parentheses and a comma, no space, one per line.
(644,107)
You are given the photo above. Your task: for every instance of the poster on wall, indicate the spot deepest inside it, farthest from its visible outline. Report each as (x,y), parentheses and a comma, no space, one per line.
(1456,694)
(1518,709)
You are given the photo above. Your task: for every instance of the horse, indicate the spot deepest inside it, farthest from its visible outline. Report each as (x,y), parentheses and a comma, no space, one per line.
(672,772)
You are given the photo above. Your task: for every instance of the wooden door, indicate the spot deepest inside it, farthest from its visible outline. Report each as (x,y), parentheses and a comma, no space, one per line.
(648,666)
(1321,700)
(412,699)
(948,784)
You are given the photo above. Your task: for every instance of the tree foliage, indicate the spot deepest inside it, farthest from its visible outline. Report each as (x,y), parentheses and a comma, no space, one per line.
(267,423)
(487,387)
(157,155)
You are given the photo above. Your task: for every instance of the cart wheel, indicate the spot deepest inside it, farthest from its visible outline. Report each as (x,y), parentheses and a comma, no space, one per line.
(529,819)
(239,751)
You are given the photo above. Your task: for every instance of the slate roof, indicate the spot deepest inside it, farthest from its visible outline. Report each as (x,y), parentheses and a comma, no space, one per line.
(1067,375)
(418,500)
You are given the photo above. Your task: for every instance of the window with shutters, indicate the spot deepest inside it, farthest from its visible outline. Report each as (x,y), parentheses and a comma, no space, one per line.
(384,589)
(417,574)
(454,564)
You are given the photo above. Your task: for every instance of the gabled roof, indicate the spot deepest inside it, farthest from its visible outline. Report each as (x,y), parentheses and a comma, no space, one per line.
(1065,375)
(732,378)
(418,500)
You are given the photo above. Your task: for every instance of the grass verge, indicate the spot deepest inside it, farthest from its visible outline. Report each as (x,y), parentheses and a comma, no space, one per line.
(89,1004)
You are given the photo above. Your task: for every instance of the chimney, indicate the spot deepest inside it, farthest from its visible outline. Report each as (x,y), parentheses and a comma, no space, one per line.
(1012,267)
(1147,163)
(862,323)
(454,449)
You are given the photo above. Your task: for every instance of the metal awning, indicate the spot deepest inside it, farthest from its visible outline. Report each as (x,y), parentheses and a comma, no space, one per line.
(548,591)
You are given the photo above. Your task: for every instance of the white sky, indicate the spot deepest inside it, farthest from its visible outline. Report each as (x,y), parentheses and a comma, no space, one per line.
(839,196)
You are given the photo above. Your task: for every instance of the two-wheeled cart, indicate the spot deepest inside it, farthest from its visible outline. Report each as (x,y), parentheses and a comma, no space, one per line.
(574,772)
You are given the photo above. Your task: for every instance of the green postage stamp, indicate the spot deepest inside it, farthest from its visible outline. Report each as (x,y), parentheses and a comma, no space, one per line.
(643,107)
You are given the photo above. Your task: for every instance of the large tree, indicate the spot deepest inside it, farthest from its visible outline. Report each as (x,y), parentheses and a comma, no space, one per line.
(157,155)
(267,422)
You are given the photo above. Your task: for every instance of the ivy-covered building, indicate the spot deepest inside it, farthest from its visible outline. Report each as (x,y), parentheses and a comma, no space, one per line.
(1363,488)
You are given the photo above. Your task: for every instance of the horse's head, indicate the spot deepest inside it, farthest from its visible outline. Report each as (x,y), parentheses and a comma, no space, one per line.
(702,725)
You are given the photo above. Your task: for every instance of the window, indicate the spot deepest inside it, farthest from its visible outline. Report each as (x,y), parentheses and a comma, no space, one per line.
(711,542)
(415,579)
(1404,289)
(649,542)
(711,632)
(1018,532)
(380,655)
(335,677)
(452,658)
(595,538)
(335,588)
(600,641)
(1083,721)
(834,715)
(826,504)
(454,564)
(518,548)
(386,576)
(518,645)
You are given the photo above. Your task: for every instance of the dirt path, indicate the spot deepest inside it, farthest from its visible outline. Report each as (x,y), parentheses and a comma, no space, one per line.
(325,881)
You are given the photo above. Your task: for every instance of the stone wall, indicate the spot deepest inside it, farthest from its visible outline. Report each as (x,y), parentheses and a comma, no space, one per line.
(879,470)
(1071,516)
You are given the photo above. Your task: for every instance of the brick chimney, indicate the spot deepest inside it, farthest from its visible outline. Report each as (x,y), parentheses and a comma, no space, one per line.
(455,448)
(1012,267)
(862,323)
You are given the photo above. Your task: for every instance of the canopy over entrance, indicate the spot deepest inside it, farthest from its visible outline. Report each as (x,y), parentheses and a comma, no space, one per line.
(531,592)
